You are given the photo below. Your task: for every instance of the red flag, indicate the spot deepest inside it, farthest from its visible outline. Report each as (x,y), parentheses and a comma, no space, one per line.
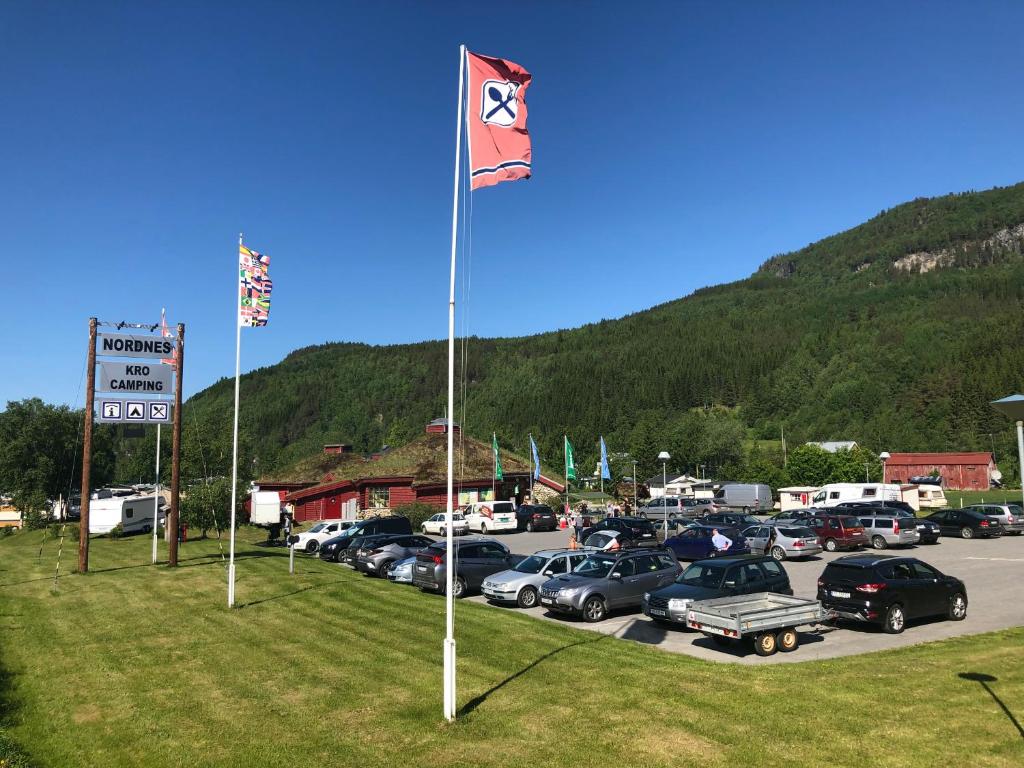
(499,145)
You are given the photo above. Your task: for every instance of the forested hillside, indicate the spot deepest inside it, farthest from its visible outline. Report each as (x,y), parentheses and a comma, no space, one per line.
(845,339)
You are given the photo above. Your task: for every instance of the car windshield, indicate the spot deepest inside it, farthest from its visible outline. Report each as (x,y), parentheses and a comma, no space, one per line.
(532,564)
(318,527)
(595,567)
(701,575)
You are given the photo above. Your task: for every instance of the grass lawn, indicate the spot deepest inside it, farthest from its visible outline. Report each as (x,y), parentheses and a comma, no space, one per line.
(133,665)
(992,496)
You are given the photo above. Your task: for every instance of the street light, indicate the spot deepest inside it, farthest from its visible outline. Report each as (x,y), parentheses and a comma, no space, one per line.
(636,504)
(663,457)
(884,456)
(1013,406)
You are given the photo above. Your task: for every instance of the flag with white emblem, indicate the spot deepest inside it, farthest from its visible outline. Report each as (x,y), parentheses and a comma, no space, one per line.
(499,144)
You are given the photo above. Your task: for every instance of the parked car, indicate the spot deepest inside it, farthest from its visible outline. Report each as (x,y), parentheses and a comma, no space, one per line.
(607,581)
(376,558)
(334,547)
(789,541)
(966,523)
(793,516)
(636,531)
(837,532)
(883,506)
(1010,516)
(521,584)
(491,516)
(888,590)
(694,543)
(749,497)
(721,577)
(536,517)
(436,524)
(475,560)
(890,531)
(320,532)
(731,519)
(928,531)
(401,572)
(676,506)
(605,540)
(350,555)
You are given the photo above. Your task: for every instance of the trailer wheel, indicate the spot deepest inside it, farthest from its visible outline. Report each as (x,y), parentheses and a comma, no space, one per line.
(787,639)
(765,645)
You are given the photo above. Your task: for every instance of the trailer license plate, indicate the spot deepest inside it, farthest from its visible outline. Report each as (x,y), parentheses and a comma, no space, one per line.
(840,594)
(657,612)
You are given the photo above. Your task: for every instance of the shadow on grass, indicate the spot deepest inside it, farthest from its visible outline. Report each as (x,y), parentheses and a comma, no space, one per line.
(983,680)
(478,700)
(10,752)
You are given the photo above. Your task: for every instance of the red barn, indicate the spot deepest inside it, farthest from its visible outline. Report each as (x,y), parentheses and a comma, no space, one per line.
(959,471)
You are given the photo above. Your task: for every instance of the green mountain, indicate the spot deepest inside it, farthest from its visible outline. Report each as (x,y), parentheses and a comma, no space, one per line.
(896,333)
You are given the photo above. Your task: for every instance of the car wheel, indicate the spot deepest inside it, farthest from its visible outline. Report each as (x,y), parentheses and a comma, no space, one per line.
(787,639)
(385,568)
(593,609)
(527,597)
(312,546)
(423,530)
(878,542)
(147,529)
(441,531)
(765,645)
(958,607)
(895,620)
(459,588)
(529,527)
(778,553)
(966,533)
(483,528)
(830,545)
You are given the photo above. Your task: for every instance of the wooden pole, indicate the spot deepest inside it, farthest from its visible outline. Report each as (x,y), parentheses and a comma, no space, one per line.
(90,394)
(172,518)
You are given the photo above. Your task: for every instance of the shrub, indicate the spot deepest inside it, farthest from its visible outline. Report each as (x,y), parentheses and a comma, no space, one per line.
(117,531)
(7,530)
(417,512)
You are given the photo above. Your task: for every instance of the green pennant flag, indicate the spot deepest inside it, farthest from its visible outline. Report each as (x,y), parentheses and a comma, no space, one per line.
(497,458)
(570,462)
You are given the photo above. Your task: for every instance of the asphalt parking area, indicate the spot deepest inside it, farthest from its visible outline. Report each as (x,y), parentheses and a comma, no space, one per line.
(992,570)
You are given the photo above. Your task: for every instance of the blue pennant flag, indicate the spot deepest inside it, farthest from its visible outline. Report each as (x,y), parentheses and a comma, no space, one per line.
(605,473)
(536,459)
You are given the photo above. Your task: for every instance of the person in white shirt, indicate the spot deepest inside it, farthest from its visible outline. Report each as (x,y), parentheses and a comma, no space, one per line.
(721,542)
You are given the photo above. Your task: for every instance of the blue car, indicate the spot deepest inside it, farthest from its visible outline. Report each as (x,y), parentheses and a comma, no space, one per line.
(694,543)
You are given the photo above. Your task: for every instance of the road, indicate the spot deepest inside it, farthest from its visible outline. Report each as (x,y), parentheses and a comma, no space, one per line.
(992,570)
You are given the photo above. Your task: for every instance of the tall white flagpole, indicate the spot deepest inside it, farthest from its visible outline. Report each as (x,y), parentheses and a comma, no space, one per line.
(234,440)
(449,597)
(156,499)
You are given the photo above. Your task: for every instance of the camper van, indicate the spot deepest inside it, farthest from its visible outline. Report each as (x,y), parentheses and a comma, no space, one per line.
(749,497)
(133,513)
(836,493)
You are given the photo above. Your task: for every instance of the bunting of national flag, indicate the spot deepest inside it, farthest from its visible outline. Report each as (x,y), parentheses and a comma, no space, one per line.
(166,333)
(536,459)
(254,286)
(499,144)
(605,472)
(570,462)
(497,459)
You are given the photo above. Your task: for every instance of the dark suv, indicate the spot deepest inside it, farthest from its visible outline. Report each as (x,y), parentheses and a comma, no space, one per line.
(475,560)
(721,577)
(535,517)
(837,532)
(889,590)
(636,531)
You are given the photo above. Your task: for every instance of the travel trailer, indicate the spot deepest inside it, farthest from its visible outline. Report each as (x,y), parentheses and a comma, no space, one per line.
(133,513)
(836,493)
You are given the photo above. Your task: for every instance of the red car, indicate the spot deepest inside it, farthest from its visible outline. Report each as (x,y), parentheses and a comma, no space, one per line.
(837,532)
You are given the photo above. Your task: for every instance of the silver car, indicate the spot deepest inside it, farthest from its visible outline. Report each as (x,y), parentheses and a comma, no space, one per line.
(1010,516)
(401,572)
(792,541)
(521,585)
(890,531)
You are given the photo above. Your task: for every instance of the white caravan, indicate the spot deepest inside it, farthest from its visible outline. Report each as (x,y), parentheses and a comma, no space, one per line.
(133,513)
(266,508)
(836,493)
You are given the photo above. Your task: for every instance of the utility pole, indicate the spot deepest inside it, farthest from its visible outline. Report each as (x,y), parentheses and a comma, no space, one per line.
(90,394)
(172,517)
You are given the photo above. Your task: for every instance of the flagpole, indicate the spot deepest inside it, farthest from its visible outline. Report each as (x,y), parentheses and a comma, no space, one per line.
(449,597)
(533,469)
(565,452)
(234,446)
(156,499)
(494,465)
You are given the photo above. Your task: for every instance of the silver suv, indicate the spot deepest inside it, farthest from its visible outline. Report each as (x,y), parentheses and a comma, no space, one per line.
(605,581)
(891,531)
(520,585)
(1010,516)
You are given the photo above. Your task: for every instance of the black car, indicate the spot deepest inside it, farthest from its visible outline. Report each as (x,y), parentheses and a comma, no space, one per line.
(475,560)
(535,517)
(966,523)
(720,577)
(887,590)
(732,519)
(332,548)
(891,506)
(636,531)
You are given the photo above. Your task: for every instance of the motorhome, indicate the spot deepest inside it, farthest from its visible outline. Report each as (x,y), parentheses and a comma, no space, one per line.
(836,493)
(133,513)
(749,497)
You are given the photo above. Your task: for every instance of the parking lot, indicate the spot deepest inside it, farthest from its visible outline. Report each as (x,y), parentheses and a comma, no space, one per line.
(992,569)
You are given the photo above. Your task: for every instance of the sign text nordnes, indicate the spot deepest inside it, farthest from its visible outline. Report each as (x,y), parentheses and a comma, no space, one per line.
(127,345)
(151,378)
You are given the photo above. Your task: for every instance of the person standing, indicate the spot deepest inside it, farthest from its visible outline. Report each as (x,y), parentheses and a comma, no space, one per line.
(577,524)
(720,541)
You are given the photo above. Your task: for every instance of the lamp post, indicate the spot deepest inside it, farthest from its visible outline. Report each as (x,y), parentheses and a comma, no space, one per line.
(884,456)
(1013,406)
(663,457)
(636,504)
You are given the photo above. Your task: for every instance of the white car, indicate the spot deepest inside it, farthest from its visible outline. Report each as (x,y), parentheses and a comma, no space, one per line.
(603,540)
(436,524)
(491,516)
(321,531)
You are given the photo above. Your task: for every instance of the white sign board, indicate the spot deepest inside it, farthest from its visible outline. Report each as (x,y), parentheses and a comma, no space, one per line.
(128,345)
(116,410)
(149,378)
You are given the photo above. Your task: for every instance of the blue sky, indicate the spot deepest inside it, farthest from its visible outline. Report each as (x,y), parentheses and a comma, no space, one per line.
(675,145)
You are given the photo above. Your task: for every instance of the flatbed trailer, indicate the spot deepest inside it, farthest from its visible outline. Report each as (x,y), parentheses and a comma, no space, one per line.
(768,618)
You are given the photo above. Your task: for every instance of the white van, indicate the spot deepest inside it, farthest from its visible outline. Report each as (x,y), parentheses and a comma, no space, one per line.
(133,513)
(836,493)
(491,516)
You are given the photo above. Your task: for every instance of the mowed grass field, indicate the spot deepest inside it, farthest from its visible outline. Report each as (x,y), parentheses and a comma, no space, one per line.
(133,665)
